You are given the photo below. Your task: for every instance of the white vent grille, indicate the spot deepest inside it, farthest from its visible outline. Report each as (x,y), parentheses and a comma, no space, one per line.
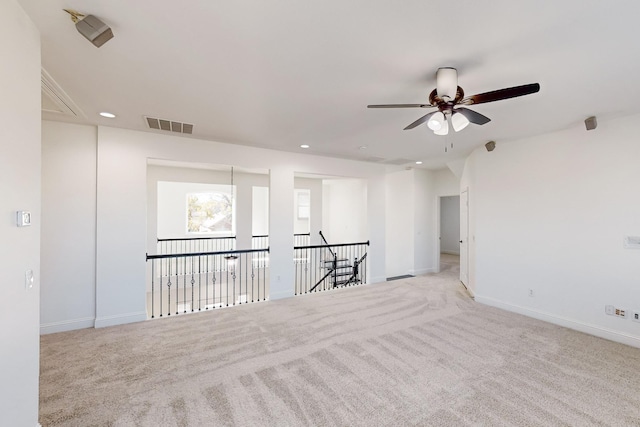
(169,125)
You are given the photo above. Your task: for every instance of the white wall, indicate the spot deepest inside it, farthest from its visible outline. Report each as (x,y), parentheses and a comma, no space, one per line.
(411,222)
(68,246)
(550,216)
(260,211)
(344,218)
(125,227)
(425,219)
(122,216)
(252,211)
(468,184)
(314,186)
(450,225)
(446,183)
(20,189)
(244,200)
(301,225)
(399,223)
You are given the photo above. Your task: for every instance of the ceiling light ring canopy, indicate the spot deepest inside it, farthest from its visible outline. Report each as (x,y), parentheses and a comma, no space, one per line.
(437,101)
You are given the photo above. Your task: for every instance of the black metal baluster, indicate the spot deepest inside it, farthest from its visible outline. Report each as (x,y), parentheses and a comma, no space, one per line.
(237,263)
(300,267)
(350,257)
(365,266)
(184,284)
(240,276)
(177,284)
(214,281)
(295,271)
(206,285)
(169,288)
(153,263)
(261,262)
(227,274)
(253,275)
(193,281)
(161,290)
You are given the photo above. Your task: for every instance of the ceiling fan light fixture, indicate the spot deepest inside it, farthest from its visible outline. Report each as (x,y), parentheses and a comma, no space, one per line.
(437,121)
(447,82)
(444,130)
(459,121)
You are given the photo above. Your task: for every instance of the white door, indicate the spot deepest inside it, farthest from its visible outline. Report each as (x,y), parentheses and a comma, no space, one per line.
(464,237)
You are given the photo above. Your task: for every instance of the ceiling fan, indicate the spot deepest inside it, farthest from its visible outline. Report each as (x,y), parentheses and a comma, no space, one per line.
(448,97)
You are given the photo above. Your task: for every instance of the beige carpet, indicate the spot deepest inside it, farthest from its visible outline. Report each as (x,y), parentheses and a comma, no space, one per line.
(416,351)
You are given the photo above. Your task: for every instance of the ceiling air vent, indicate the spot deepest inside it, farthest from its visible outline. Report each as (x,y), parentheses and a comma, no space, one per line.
(169,125)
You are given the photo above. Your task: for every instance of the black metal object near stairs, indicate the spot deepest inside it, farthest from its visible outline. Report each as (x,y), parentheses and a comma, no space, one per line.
(340,270)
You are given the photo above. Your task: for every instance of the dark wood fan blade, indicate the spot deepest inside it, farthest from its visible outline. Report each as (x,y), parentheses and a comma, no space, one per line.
(420,120)
(472,116)
(501,94)
(400,106)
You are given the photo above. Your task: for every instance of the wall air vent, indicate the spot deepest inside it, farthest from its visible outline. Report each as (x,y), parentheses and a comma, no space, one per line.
(169,125)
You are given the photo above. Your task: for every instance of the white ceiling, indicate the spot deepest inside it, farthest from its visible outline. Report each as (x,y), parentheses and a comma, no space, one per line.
(288,72)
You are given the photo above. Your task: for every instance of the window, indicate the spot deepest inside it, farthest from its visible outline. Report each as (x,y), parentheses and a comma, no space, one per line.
(211,212)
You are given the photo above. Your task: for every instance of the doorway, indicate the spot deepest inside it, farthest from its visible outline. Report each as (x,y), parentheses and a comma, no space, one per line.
(449,252)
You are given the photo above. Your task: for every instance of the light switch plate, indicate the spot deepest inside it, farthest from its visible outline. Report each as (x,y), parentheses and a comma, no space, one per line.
(28,279)
(23,218)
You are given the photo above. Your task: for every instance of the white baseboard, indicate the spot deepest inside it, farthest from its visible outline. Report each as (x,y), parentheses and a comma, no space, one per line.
(587,328)
(120,319)
(420,271)
(67,325)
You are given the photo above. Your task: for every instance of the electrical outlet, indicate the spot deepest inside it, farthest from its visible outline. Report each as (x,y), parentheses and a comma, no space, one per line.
(614,311)
(635,316)
(620,312)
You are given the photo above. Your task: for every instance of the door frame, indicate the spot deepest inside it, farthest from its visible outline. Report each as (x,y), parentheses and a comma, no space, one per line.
(464,218)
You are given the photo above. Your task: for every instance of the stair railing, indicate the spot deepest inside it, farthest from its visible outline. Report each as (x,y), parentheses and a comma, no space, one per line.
(192,282)
(328,266)
(196,244)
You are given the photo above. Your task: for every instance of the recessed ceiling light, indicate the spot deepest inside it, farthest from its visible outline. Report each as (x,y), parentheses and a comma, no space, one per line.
(363,147)
(304,146)
(108,115)
(418,162)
